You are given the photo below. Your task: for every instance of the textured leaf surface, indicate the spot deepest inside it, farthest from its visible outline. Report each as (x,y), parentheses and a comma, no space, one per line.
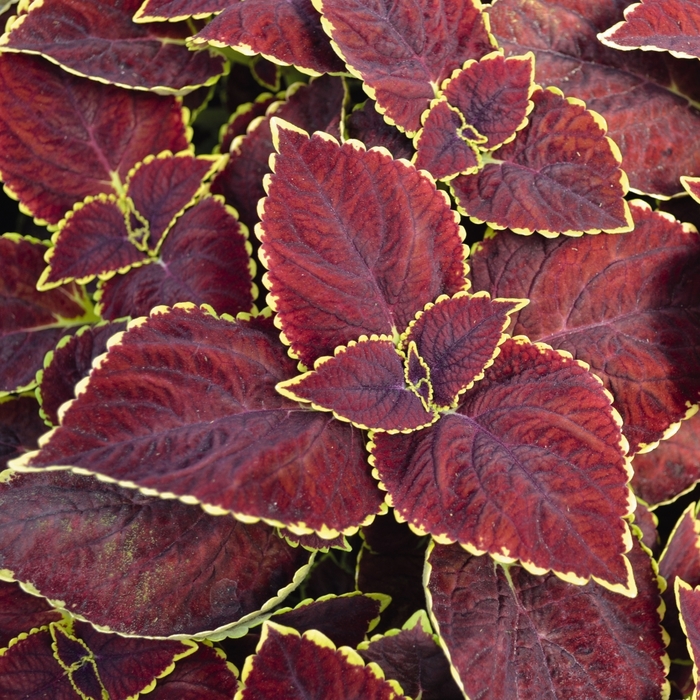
(97,39)
(286,31)
(165,567)
(91,135)
(512,634)
(403,51)
(21,612)
(366,124)
(627,305)
(213,428)
(561,174)
(308,667)
(204,259)
(671,25)
(154,10)
(20,427)
(649,101)
(379,243)
(530,467)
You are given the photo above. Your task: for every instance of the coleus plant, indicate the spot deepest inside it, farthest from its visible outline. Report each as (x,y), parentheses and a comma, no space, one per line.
(458,449)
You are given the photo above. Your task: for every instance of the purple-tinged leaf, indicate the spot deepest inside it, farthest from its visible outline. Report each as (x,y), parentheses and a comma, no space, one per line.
(77,662)
(561,174)
(21,612)
(626,305)
(404,51)
(458,338)
(92,240)
(692,186)
(362,383)
(413,657)
(658,25)
(647,522)
(417,375)
(204,259)
(266,72)
(285,31)
(366,124)
(379,242)
(91,135)
(173,10)
(161,187)
(308,667)
(31,322)
(688,600)
(165,568)
(20,427)
(97,39)
(241,119)
(649,101)
(212,429)
(442,145)
(510,633)
(493,96)
(531,466)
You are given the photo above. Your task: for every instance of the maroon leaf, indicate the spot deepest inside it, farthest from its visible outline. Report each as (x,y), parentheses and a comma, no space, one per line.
(93,240)
(413,657)
(671,25)
(561,174)
(241,119)
(31,322)
(162,187)
(172,10)
(647,100)
(285,31)
(20,427)
(443,149)
(21,612)
(382,245)
(91,135)
(402,51)
(626,305)
(77,661)
(308,667)
(165,568)
(530,467)
(204,259)
(512,634)
(213,429)
(366,124)
(493,96)
(362,383)
(266,72)
(689,605)
(647,523)
(97,39)
(692,186)
(458,339)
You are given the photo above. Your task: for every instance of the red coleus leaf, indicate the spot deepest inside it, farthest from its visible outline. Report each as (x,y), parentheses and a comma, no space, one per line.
(492,478)
(688,599)
(366,124)
(379,242)
(20,427)
(21,612)
(561,174)
(458,338)
(159,10)
(98,39)
(213,427)
(267,73)
(443,149)
(70,362)
(205,259)
(362,383)
(241,119)
(285,31)
(308,667)
(91,135)
(165,568)
(692,186)
(639,328)
(668,25)
(493,96)
(648,101)
(647,523)
(31,322)
(509,633)
(403,51)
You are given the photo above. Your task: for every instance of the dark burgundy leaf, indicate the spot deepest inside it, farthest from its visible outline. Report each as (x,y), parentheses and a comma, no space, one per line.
(512,634)
(417,374)
(626,305)
(31,322)
(77,661)
(403,51)
(172,10)
(205,259)
(688,600)
(530,467)
(442,146)
(20,427)
(308,667)
(213,429)
(413,657)
(266,72)
(692,186)
(241,119)
(379,242)
(165,568)
(286,31)
(649,101)
(21,612)
(366,124)
(97,39)
(561,174)
(658,25)
(647,523)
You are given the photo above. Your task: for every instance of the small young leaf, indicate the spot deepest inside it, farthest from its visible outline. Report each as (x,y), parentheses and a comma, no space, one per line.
(366,124)
(20,427)
(241,119)
(21,612)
